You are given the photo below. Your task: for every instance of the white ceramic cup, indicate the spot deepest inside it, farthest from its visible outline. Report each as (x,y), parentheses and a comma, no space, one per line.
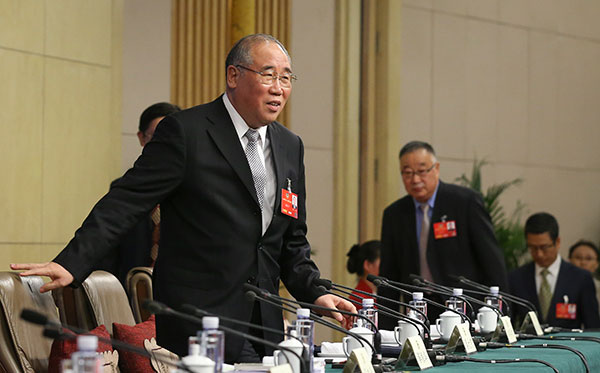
(286,357)
(487,319)
(405,330)
(446,323)
(350,343)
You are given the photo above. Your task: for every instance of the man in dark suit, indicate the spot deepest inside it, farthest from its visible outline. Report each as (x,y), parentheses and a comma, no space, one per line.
(224,174)
(563,294)
(139,247)
(438,230)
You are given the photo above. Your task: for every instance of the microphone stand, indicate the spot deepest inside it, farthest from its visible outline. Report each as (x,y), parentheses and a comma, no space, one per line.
(388,311)
(160,308)
(382,281)
(267,298)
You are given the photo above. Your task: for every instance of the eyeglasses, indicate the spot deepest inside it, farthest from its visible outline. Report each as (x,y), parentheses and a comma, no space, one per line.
(268,77)
(543,248)
(409,174)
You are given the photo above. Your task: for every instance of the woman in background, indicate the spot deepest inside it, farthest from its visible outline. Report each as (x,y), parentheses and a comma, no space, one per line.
(584,254)
(364,260)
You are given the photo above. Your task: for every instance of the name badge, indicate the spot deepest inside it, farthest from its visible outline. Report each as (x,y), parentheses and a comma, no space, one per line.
(289,203)
(566,311)
(444,229)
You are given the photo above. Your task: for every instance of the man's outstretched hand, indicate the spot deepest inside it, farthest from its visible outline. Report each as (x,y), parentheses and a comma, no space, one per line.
(59,276)
(332,301)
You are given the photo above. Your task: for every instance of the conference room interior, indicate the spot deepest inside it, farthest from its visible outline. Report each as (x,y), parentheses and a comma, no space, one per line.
(516,83)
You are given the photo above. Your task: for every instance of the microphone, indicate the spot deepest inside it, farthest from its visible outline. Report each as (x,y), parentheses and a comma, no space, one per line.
(162,309)
(415,277)
(54,329)
(265,297)
(195,311)
(384,282)
(381,308)
(518,300)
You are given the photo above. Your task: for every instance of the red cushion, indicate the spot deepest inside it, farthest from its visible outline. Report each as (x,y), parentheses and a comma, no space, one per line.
(62,349)
(134,335)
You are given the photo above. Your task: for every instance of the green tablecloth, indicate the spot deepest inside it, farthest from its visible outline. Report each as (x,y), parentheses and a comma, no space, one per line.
(563,360)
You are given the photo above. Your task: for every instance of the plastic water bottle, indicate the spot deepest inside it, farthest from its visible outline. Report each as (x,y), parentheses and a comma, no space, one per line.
(419,304)
(369,311)
(455,302)
(212,341)
(494,298)
(86,359)
(305,328)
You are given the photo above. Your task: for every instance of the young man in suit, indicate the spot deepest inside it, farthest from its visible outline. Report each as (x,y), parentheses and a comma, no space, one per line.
(563,294)
(224,174)
(438,230)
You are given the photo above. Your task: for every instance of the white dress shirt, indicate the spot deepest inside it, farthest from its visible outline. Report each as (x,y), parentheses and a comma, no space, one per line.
(552,276)
(265,155)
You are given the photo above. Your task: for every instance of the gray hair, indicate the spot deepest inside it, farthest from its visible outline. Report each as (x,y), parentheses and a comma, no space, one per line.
(417,145)
(240,52)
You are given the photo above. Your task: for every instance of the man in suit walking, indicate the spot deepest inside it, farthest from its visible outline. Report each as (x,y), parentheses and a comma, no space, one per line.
(563,294)
(224,174)
(438,230)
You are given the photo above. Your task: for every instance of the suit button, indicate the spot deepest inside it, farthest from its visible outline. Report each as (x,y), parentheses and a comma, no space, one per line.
(259,247)
(252,280)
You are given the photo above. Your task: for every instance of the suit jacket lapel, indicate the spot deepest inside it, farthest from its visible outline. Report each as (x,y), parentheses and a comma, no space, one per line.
(277,152)
(225,137)
(561,287)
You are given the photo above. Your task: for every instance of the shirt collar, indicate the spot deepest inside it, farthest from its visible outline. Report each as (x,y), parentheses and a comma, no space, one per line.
(552,268)
(239,123)
(430,201)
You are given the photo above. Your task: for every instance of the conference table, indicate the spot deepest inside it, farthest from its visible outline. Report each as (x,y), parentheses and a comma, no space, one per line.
(564,361)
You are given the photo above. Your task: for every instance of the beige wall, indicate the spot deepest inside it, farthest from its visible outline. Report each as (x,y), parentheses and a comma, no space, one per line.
(517,82)
(146,66)
(60,71)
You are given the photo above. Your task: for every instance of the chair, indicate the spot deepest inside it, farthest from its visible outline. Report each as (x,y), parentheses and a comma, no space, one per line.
(22,346)
(100,300)
(139,288)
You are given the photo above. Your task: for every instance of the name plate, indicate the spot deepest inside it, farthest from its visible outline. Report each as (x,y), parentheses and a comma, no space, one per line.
(460,334)
(359,357)
(532,319)
(508,329)
(414,347)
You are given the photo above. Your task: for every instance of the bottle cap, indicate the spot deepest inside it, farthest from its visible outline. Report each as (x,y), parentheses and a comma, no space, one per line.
(457,292)
(417,295)
(368,302)
(87,343)
(303,313)
(210,322)
(494,290)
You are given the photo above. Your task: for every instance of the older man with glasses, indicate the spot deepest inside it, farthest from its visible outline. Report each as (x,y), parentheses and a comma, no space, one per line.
(563,294)
(226,175)
(438,230)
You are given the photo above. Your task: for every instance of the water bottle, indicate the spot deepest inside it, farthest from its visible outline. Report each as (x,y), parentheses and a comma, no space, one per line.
(494,298)
(305,328)
(419,304)
(212,341)
(369,311)
(86,359)
(455,302)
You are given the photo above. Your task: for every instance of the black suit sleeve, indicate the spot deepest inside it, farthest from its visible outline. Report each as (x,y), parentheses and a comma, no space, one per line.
(157,172)
(484,244)
(389,266)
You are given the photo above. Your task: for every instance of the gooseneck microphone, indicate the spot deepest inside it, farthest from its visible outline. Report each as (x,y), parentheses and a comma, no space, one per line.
(162,309)
(517,300)
(384,282)
(284,304)
(54,329)
(381,308)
